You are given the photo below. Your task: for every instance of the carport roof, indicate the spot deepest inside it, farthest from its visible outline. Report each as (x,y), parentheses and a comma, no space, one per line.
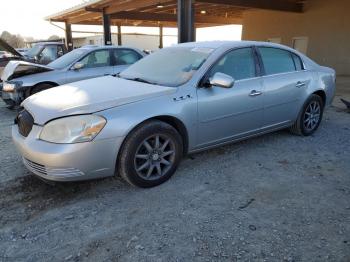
(163,12)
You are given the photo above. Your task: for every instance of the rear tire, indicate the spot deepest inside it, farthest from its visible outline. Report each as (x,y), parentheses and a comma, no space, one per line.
(150,154)
(309,118)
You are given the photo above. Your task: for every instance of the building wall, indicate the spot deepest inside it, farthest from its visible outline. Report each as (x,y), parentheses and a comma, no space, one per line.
(325,24)
(143,42)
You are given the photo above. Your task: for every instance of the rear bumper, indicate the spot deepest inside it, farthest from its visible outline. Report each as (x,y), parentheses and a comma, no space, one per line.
(67,162)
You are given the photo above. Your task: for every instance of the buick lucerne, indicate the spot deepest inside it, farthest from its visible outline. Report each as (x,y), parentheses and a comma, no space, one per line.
(176,101)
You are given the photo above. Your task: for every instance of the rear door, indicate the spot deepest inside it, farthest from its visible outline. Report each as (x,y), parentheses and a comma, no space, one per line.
(284,82)
(96,63)
(123,58)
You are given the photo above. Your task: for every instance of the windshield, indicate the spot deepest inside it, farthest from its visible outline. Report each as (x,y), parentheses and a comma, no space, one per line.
(67,59)
(35,50)
(172,66)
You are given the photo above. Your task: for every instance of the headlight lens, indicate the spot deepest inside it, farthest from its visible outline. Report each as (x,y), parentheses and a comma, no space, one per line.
(73,129)
(9,87)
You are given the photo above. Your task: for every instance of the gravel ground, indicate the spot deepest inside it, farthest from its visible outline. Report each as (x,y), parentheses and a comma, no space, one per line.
(277,197)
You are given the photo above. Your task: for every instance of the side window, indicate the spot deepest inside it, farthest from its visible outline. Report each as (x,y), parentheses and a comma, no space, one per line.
(95,59)
(239,63)
(276,60)
(125,57)
(60,51)
(298,63)
(48,54)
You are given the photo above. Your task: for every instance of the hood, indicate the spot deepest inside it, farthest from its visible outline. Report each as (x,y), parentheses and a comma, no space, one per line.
(16,69)
(7,48)
(89,96)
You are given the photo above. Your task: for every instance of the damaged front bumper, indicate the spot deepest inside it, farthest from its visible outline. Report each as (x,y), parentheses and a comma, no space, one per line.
(12,98)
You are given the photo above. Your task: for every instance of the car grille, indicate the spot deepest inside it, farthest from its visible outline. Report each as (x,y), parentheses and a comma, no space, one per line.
(42,170)
(25,122)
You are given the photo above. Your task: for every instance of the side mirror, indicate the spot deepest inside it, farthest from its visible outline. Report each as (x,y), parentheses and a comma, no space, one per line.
(78,66)
(221,80)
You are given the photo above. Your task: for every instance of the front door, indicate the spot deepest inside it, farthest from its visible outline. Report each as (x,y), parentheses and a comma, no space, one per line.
(227,113)
(95,64)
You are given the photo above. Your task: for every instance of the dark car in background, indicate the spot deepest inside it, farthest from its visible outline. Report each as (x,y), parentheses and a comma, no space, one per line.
(45,52)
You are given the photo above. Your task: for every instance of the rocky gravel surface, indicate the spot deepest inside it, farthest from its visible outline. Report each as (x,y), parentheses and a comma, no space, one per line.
(277,197)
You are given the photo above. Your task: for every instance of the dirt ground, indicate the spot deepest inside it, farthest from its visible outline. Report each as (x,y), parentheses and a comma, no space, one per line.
(277,197)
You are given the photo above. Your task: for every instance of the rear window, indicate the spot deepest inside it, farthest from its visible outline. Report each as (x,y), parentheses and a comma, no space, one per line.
(276,60)
(297,62)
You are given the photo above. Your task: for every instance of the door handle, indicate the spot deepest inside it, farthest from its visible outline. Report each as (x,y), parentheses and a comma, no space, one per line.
(300,84)
(255,93)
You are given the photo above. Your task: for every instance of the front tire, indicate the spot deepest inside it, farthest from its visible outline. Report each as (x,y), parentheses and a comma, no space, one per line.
(310,117)
(150,154)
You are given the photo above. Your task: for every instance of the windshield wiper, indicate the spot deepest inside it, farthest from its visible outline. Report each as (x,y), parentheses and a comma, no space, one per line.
(138,79)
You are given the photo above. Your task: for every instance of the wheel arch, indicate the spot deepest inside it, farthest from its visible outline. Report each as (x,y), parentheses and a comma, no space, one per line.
(171,120)
(46,82)
(29,90)
(321,93)
(178,125)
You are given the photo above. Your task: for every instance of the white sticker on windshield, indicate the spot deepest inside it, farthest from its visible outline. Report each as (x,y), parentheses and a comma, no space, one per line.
(202,50)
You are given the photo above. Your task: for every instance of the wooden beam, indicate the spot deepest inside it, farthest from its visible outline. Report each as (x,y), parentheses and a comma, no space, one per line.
(163,17)
(95,10)
(131,5)
(84,17)
(277,5)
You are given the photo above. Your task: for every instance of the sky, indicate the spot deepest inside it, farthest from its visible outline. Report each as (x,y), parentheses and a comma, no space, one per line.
(26,17)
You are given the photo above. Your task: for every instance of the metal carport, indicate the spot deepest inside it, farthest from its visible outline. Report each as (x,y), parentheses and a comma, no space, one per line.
(184,14)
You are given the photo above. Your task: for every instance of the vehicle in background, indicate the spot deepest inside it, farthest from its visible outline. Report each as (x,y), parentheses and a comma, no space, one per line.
(45,52)
(23,79)
(178,100)
(7,53)
(22,51)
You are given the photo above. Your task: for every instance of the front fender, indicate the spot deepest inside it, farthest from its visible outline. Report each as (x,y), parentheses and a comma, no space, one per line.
(123,119)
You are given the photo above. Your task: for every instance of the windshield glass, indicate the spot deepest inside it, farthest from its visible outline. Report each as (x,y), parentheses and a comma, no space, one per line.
(172,66)
(34,51)
(67,59)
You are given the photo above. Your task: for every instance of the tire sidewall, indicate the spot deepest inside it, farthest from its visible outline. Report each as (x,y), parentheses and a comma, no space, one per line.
(126,161)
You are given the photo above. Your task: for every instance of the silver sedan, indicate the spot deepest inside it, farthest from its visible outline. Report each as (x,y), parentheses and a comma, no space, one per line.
(176,101)
(23,79)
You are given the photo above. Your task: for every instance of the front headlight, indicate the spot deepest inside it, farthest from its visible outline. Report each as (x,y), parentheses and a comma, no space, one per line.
(73,129)
(9,87)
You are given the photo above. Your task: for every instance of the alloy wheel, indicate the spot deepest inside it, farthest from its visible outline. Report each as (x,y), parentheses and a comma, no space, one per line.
(312,115)
(154,157)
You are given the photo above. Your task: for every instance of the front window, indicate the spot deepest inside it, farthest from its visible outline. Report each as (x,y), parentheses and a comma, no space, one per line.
(172,66)
(239,64)
(67,59)
(48,54)
(95,59)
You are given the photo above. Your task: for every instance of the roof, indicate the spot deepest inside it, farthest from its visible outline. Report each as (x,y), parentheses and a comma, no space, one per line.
(164,12)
